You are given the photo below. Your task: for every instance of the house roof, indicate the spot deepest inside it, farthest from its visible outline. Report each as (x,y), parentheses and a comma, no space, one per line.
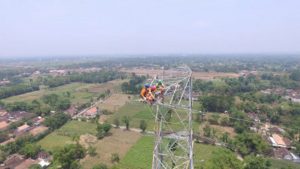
(23,127)
(26,164)
(13,161)
(281,152)
(3,125)
(91,111)
(3,112)
(278,139)
(39,119)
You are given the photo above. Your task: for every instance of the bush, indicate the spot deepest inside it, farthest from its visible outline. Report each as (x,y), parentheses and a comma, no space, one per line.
(115,158)
(91,151)
(126,121)
(117,122)
(143,125)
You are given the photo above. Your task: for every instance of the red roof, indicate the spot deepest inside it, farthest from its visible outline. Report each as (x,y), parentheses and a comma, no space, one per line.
(91,111)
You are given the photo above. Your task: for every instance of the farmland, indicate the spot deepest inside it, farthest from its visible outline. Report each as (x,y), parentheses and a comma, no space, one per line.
(118,142)
(136,111)
(80,92)
(114,102)
(196,75)
(65,134)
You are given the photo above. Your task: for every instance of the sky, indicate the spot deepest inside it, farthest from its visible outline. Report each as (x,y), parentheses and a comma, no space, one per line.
(97,27)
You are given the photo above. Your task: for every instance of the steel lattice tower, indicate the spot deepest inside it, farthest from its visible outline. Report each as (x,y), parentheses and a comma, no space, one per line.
(173,116)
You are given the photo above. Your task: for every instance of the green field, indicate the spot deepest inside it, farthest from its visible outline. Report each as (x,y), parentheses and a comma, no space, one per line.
(136,111)
(80,92)
(65,134)
(278,164)
(139,156)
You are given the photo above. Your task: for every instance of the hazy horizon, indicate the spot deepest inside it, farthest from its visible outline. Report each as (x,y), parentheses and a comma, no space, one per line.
(170,27)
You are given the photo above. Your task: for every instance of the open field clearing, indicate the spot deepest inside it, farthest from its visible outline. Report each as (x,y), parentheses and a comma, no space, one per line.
(65,134)
(222,129)
(136,111)
(279,164)
(80,92)
(139,156)
(114,102)
(118,142)
(196,75)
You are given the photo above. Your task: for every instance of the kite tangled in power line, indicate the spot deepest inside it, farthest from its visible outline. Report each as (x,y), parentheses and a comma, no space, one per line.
(152,93)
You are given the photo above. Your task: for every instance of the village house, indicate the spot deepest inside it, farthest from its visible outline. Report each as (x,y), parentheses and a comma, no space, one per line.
(18,115)
(44,159)
(282,153)
(279,141)
(3,125)
(91,113)
(4,82)
(24,127)
(21,130)
(58,72)
(72,111)
(26,163)
(7,141)
(12,161)
(38,120)
(3,112)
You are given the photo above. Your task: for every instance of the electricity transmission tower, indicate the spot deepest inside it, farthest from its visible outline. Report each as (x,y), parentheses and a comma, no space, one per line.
(173,116)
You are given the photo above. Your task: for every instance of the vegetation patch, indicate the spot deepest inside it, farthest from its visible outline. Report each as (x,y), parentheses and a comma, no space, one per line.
(119,142)
(65,135)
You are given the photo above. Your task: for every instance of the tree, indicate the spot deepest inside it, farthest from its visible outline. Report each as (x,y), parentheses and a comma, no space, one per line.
(91,151)
(207,131)
(250,143)
(214,119)
(215,103)
(117,122)
(30,150)
(115,158)
(254,162)
(56,121)
(225,137)
(126,120)
(106,127)
(3,156)
(76,138)
(224,159)
(143,125)
(225,121)
(67,156)
(100,166)
(102,130)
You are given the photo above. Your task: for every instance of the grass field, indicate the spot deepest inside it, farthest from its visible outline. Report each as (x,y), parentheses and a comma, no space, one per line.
(64,135)
(139,156)
(136,111)
(118,142)
(278,164)
(196,75)
(114,102)
(80,92)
